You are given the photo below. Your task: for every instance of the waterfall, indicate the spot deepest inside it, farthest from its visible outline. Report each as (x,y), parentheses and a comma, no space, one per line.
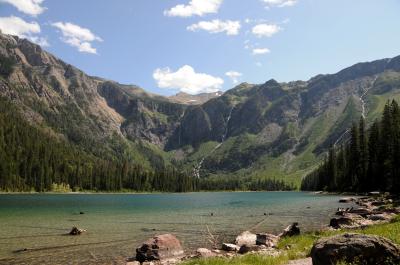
(363,109)
(197,168)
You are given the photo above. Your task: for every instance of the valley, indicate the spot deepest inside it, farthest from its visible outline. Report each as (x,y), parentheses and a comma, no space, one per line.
(252,131)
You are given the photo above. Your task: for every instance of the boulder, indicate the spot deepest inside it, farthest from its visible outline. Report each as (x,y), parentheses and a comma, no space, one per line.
(160,247)
(254,248)
(291,230)
(133,263)
(381,217)
(205,253)
(349,220)
(75,231)
(361,211)
(246,238)
(230,247)
(353,248)
(346,200)
(268,240)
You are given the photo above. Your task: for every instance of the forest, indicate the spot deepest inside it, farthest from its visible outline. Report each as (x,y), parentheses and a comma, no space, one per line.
(33,159)
(368,161)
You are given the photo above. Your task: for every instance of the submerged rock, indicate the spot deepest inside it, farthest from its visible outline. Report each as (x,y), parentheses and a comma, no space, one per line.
(353,248)
(75,231)
(160,247)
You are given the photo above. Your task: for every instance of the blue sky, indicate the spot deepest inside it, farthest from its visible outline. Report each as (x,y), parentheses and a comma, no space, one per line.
(205,45)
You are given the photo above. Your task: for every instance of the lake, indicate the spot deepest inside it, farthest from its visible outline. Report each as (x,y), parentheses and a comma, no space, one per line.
(117,223)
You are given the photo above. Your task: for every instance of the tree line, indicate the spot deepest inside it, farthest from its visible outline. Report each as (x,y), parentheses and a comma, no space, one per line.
(369,161)
(34,159)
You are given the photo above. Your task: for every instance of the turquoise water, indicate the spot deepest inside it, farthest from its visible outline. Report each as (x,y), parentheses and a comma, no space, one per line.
(117,223)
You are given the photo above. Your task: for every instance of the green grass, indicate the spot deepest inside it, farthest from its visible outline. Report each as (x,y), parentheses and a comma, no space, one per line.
(300,246)
(250,259)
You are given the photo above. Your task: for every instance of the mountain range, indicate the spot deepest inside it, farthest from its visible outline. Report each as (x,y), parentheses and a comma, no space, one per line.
(271,130)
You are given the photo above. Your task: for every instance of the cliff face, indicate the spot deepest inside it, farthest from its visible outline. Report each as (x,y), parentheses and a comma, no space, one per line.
(270,129)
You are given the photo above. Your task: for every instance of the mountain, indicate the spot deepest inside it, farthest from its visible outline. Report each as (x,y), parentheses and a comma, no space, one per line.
(276,130)
(198,99)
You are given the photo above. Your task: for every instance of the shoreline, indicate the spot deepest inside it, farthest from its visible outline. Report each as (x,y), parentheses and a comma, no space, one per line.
(144,193)
(160,192)
(283,248)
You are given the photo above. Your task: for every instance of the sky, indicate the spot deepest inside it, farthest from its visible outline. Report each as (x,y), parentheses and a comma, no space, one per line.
(194,46)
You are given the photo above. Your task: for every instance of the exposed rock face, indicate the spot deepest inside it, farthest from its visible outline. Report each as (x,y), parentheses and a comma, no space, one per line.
(261,122)
(159,248)
(198,99)
(367,249)
(246,239)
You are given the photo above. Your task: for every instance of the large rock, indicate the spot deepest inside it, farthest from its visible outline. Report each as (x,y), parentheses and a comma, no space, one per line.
(268,240)
(346,200)
(230,247)
(349,220)
(159,248)
(75,231)
(361,211)
(205,253)
(254,248)
(353,248)
(246,238)
(291,230)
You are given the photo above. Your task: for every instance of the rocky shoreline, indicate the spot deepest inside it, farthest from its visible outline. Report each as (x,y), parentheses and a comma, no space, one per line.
(371,210)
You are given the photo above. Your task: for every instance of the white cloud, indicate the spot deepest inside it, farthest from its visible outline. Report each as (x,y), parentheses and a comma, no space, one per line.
(77,36)
(265,30)
(217,26)
(234,76)
(258,51)
(279,3)
(195,7)
(187,80)
(19,27)
(30,7)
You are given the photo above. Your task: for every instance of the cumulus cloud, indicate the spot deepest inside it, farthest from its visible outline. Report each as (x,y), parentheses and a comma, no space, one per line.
(279,3)
(77,36)
(234,76)
(17,26)
(265,30)
(258,51)
(195,7)
(30,7)
(217,26)
(187,80)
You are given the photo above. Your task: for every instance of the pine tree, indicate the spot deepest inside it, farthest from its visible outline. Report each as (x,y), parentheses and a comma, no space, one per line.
(363,156)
